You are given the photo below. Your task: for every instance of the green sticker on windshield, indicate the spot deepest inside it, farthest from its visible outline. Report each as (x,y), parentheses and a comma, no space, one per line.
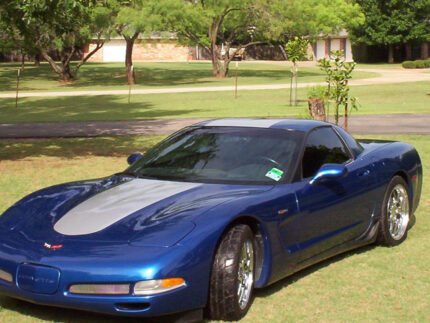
(275,174)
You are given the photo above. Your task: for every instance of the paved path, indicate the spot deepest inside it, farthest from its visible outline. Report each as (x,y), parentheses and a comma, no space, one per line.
(368,124)
(386,76)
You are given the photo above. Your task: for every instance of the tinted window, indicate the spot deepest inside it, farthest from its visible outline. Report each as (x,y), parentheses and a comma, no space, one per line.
(223,154)
(323,146)
(355,147)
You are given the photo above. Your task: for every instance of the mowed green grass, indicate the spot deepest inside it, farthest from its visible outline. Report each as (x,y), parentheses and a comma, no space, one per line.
(375,99)
(370,284)
(109,76)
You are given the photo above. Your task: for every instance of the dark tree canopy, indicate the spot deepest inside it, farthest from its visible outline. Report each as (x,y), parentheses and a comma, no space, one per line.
(391,22)
(62,27)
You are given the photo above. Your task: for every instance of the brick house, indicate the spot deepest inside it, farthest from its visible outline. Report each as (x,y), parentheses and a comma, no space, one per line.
(153,47)
(325,44)
(165,47)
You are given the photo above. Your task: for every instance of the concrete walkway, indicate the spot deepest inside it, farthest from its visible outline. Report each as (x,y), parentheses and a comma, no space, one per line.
(367,124)
(386,76)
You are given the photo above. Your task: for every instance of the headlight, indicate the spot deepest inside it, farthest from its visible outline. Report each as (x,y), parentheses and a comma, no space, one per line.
(4,275)
(100,289)
(151,287)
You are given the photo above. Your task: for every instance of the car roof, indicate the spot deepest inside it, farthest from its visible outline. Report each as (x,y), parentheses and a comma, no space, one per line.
(287,124)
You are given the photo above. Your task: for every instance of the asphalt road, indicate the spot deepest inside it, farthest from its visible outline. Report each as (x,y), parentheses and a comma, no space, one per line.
(361,124)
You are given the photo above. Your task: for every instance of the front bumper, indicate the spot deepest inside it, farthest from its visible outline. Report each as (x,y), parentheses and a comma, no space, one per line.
(50,286)
(127,305)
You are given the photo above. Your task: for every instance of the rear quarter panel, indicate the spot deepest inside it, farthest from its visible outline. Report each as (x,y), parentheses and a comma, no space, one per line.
(395,158)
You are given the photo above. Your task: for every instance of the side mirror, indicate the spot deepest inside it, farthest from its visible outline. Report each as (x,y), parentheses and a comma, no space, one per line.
(329,171)
(134,158)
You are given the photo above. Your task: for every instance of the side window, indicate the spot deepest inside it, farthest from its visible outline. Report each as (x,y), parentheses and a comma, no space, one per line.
(323,146)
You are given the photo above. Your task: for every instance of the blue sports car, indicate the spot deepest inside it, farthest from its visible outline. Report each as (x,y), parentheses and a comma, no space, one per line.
(207,215)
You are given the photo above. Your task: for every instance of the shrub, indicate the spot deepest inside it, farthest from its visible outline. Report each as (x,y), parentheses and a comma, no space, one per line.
(416,64)
(420,64)
(317,92)
(408,64)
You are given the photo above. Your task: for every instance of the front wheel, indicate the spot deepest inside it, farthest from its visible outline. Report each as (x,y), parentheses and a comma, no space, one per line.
(394,222)
(232,278)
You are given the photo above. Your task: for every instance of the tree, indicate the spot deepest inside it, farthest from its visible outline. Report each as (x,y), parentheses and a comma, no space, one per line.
(393,22)
(286,19)
(220,25)
(58,28)
(10,39)
(296,50)
(133,17)
(338,73)
(223,28)
(317,17)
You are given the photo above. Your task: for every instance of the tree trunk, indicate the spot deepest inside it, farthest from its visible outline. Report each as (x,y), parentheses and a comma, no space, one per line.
(85,58)
(408,50)
(226,67)
(345,120)
(37,59)
(316,108)
(66,75)
(22,60)
(218,69)
(63,70)
(293,85)
(424,50)
(390,54)
(214,58)
(131,77)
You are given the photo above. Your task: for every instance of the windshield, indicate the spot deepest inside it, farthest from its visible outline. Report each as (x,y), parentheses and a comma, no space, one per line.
(222,155)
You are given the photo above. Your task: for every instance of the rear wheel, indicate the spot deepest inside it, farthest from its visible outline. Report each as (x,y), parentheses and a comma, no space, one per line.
(232,278)
(394,221)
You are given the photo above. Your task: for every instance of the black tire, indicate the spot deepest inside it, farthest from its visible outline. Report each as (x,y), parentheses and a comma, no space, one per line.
(386,236)
(224,301)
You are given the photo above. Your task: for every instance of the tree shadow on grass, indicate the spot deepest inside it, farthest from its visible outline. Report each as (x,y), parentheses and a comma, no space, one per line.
(276,287)
(8,76)
(158,76)
(147,74)
(54,314)
(121,146)
(88,108)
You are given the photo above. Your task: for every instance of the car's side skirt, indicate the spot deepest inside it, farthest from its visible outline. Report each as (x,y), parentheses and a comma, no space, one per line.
(327,254)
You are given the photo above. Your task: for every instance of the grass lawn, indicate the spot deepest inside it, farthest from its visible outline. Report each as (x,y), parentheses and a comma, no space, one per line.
(370,284)
(375,99)
(107,76)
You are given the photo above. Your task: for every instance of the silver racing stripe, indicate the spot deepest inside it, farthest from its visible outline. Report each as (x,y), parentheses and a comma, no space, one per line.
(112,205)
(237,122)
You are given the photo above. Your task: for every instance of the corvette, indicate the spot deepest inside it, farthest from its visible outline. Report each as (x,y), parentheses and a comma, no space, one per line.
(206,216)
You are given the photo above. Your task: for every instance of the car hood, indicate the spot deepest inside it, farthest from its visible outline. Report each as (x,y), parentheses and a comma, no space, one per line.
(119,208)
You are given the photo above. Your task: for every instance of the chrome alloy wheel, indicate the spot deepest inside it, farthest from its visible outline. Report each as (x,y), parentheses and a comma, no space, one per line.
(398,212)
(245,274)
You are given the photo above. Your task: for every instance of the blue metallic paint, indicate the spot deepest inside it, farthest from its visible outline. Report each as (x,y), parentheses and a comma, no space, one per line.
(178,236)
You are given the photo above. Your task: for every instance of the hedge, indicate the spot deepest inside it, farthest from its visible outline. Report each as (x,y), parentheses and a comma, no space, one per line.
(416,64)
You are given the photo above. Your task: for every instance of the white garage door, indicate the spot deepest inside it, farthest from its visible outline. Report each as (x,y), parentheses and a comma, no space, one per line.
(114,51)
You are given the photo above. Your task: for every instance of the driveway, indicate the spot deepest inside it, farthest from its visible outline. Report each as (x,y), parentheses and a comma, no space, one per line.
(360,124)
